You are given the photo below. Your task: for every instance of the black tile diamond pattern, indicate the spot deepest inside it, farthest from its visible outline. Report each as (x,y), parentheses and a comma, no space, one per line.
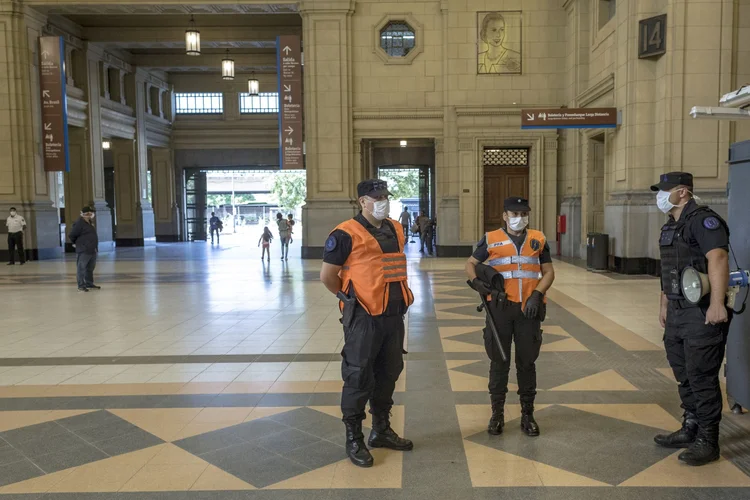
(49,447)
(602,448)
(552,368)
(272,449)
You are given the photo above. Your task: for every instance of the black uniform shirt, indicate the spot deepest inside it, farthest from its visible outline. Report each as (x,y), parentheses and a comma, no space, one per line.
(707,232)
(482,253)
(339,247)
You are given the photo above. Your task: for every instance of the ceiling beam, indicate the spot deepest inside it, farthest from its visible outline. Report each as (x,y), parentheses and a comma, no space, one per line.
(208,34)
(207,60)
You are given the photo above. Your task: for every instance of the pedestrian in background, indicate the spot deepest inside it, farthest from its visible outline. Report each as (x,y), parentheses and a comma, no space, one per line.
(86,242)
(16,226)
(266,239)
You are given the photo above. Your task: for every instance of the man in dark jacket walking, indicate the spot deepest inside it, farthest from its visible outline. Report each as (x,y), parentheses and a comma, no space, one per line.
(86,242)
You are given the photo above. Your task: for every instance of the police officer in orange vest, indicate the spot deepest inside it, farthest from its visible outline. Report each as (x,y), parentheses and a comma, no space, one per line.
(364,265)
(523,257)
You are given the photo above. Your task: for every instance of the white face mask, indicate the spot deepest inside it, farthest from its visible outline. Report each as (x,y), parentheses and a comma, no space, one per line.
(381,209)
(518,223)
(662,201)
(12,213)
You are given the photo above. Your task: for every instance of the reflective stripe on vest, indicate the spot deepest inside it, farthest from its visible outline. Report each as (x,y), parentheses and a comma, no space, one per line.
(515,259)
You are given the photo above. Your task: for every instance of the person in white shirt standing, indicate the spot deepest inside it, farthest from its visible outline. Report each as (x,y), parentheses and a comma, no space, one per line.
(16,225)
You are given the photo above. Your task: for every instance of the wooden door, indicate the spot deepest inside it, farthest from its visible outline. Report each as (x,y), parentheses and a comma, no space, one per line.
(506,173)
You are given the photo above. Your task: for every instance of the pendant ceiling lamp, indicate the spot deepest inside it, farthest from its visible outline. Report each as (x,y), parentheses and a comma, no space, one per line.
(192,40)
(227,67)
(253,85)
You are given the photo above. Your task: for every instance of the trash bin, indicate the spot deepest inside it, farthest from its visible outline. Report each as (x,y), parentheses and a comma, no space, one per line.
(597,252)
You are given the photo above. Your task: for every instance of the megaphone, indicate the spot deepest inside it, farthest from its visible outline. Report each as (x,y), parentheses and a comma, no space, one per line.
(696,285)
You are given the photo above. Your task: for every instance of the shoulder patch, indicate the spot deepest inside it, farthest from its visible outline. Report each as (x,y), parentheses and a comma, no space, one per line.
(711,223)
(536,244)
(331,243)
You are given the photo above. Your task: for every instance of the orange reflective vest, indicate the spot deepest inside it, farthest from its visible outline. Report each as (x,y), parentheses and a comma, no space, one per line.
(370,272)
(521,270)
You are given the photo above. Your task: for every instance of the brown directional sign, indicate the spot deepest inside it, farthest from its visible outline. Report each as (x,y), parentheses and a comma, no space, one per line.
(289,57)
(569,118)
(54,107)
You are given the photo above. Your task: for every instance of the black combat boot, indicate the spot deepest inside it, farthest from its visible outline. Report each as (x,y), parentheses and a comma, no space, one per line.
(682,438)
(528,424)
(497,420)
(704,450)
(355,444)
(382,436)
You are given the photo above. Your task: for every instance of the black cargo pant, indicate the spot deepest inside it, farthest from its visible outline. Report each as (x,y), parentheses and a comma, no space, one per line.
(15,241)
(372,360)
(695,352)
(513,327)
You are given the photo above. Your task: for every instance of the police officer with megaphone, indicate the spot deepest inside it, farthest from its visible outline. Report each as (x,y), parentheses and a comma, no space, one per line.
(695,332)
(522,257)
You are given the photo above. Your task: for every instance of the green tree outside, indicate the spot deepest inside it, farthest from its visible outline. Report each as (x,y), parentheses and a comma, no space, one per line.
(403,183)
(290,189)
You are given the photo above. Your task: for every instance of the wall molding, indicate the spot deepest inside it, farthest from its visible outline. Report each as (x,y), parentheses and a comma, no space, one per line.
(596,91)
(158,132)
(117,124)
(77,111)
(397,114)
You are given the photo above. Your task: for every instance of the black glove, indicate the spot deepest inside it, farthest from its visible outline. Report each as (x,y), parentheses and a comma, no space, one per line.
(534,305)
(480,286)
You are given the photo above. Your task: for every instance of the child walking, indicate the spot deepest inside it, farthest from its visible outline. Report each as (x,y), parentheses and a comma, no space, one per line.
(266,238)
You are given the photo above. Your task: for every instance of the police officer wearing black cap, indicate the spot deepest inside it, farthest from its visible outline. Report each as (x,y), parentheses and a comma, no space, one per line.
(695,336)
(364,265)
(523,257)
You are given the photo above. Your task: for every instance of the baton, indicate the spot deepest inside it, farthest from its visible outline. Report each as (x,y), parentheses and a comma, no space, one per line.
(485,305)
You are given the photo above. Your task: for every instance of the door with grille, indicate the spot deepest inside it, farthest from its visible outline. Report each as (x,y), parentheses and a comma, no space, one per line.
(196,201)
(506,173)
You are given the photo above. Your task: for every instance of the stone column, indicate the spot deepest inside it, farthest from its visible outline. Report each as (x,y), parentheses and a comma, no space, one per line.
(23,182)
(135,216)
(84,184)
(166,212)
(332,165)
(104,80)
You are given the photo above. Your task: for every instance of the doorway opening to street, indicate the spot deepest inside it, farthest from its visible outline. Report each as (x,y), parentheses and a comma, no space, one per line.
(239,203)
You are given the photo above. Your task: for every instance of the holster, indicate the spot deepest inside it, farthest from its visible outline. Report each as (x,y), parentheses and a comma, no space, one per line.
(350,305)
(498,298)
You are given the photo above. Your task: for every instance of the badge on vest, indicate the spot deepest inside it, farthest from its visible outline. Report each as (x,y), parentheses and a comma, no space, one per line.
(536,245)
(711,223)
(331,243)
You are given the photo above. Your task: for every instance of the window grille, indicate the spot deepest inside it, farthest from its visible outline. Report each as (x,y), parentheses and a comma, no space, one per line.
(265,102)
(506,157)
(199,103)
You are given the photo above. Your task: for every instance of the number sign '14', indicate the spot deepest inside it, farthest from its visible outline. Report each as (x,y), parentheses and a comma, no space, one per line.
(652,37)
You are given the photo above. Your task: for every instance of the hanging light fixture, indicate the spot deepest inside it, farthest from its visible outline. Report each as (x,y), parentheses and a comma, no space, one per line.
(192,40)
(106,144)
(227,67)
(253,85)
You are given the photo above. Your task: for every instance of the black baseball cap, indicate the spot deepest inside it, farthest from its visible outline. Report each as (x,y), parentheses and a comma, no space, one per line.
(671,180)
(87,209)
(516,204)
(374,188)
